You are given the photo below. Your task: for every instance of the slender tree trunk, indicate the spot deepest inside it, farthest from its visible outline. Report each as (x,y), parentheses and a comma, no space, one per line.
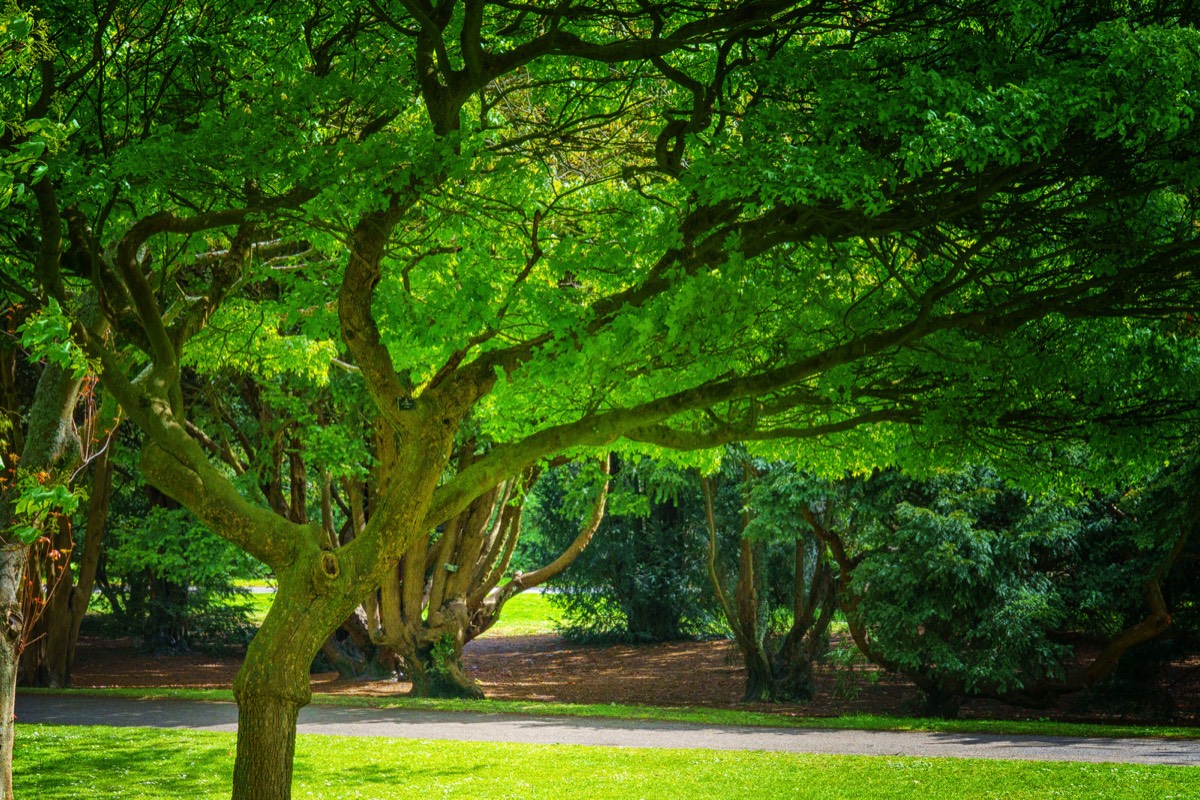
(12,572)
(62,663)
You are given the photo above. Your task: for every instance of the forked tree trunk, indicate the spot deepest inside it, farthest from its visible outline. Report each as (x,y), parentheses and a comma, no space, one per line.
(776,669)
(427,619)
(436,669)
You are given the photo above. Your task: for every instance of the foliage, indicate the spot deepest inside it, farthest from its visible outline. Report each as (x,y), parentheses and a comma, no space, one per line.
(863,231)
(643,577)
(171,571)
(40,498)
(972,586)
(951,582)
(47,335)
(24,42)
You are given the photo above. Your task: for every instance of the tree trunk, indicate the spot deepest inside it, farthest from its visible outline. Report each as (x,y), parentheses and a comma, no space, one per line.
(760,677)
(49,661)
(940,701)
(433,656)
(48,579)
(266,745)
(271,688)
(436,670)
(60,656)
(12,571)
(165,631)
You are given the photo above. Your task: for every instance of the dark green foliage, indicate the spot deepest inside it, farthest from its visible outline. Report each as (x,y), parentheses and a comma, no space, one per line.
(643,577)
(171,581)
(973,587)
(950,582)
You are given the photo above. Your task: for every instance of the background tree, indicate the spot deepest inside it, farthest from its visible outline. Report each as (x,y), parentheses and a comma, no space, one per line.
(782,603)
(62,569)
(448,587)
(970,587)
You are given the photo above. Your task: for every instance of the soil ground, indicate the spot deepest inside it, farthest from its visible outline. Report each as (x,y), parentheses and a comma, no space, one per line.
(545,668)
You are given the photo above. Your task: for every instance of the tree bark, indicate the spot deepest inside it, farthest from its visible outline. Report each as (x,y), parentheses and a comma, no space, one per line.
(436,670)
(273,685)
(49,660)
(266,745)
(12,571)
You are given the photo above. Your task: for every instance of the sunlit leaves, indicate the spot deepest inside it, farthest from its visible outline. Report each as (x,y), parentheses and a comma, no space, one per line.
(246,338)
(47,335)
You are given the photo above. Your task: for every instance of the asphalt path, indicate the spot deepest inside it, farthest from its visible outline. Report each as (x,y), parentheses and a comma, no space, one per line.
(473,727)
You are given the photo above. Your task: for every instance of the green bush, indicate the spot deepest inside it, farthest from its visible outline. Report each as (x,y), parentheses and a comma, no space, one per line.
(172,582)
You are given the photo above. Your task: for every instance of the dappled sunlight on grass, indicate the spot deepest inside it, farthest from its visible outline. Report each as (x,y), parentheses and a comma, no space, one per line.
(141,764)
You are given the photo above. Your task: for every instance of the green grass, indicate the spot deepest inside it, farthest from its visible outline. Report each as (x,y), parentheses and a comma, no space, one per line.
(701,716)
(139,764)
(259,604)
(527,614)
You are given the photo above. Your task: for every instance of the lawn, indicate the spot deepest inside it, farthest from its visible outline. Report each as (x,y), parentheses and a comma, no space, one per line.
(527,614)
(140,764)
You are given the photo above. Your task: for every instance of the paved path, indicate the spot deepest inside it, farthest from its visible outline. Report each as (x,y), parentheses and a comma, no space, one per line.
(406,724)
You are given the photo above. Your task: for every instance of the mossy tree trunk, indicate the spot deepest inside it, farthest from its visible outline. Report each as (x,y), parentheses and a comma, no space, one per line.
(463,567)
(273,683)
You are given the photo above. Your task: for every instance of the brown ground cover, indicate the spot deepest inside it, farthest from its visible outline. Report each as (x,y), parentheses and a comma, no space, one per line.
(545,668)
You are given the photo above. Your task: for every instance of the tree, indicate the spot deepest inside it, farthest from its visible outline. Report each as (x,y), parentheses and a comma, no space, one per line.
(778,649)
(972,588)
(447,588)
(58,592)
(675,226)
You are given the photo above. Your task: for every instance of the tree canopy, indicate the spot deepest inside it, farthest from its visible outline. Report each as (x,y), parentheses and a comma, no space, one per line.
(883,232)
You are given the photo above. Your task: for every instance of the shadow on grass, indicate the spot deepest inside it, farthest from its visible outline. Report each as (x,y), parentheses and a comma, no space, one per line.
(104,762)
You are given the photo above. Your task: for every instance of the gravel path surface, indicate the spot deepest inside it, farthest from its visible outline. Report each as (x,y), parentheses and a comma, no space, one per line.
(406,724)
